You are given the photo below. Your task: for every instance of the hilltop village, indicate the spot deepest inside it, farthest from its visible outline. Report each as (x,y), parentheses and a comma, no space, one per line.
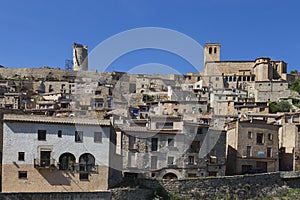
(80,130)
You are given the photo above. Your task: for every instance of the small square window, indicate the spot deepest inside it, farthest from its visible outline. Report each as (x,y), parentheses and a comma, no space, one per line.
(22,174)
(41,134)
(98,137)
(250,135)
(59,133)
(270,136)
(84,176)
(21,156)
(192,175)
(191,160)
(171,142)
(170,160)
(78,136)
(260,138)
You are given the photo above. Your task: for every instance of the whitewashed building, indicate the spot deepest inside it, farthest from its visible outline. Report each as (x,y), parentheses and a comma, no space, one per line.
(45,154)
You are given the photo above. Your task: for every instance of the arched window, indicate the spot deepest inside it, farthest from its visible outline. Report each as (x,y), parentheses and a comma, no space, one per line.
(66,161)
(215,50)
(210,50)
(86,162)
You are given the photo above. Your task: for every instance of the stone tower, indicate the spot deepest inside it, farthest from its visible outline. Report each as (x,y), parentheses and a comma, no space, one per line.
(80,57)
(212,52)
(263,69)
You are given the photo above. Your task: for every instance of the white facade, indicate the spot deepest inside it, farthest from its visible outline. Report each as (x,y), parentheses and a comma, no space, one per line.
(50,154)
(23,137)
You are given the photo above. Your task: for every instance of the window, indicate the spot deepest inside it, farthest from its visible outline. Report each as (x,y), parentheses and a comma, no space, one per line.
(170,160)
(84,176)
(21,156)
(249,151)
(98,92)
(195,147)
(270,137)
(191,160)
(98,137)
(67,161)
(217,78)
(153,162)
(250,135)
(78,136)
(22,174)
(259,138)
(269,152)
(132,141)
(192,175)
(200,130)
(213,159)
(210,50)
(154,142)
(171,142)
(59,133)
(215,50)
(87,162)
(41,134)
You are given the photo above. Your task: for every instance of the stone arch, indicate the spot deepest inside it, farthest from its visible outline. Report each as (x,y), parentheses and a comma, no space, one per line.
(170,174)
(66,161)
(86,162)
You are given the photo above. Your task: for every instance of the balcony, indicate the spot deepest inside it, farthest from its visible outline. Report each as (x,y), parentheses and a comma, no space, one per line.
(44,163)
(87,168)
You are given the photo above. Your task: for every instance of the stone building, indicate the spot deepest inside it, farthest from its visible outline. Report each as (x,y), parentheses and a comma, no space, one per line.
(167,146)
(11,100)
(60,155)
(289,141)
(252,145)
(245,75)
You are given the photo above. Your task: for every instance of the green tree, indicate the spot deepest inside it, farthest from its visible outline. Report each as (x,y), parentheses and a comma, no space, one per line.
(282,106)
(295,85)
(294,71)
(273,107)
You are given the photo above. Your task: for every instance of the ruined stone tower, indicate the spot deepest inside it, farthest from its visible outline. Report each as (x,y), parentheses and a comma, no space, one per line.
(80,57)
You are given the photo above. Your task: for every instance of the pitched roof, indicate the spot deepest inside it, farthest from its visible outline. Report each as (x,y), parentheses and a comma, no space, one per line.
(57,120)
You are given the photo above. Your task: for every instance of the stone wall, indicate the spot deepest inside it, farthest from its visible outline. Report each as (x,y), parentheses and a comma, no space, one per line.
(104,195)
(231,187)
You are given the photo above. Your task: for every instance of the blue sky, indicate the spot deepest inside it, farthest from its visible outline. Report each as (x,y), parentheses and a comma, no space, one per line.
(38,33)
